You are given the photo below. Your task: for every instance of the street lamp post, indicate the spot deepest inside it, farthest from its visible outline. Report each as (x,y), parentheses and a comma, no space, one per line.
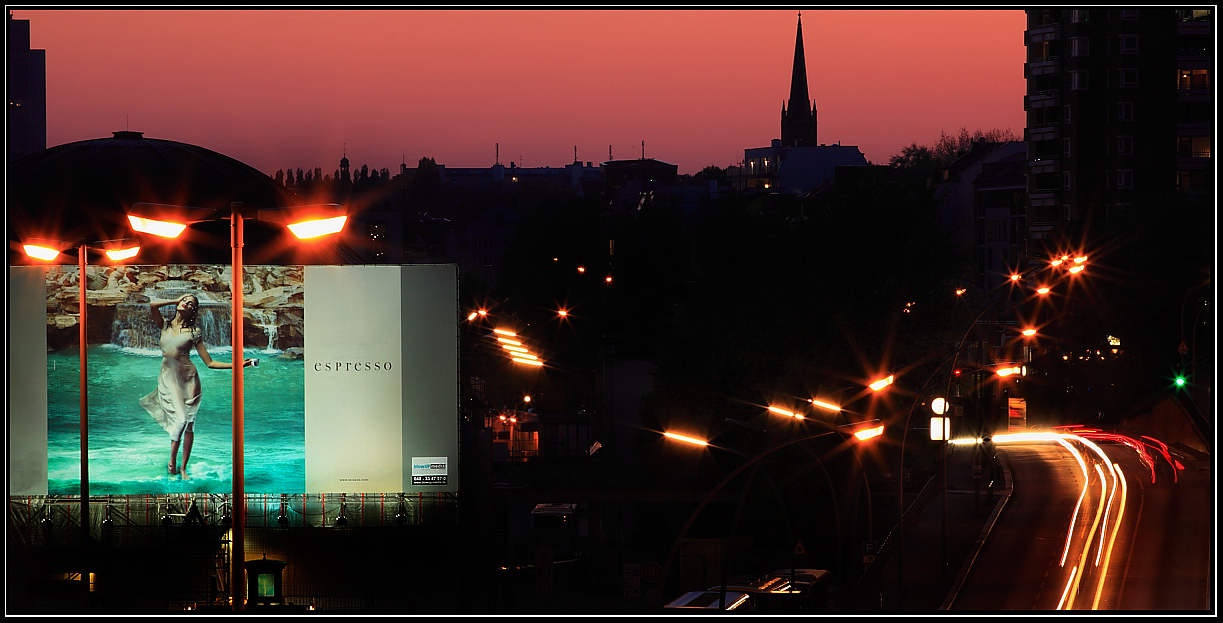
(305,222)
(48,250)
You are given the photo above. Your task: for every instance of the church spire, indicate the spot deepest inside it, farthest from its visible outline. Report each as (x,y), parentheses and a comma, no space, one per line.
(798,119)
(799,100)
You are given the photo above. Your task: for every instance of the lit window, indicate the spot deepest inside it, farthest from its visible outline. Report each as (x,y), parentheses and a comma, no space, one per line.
(1193,79)
(1193,146)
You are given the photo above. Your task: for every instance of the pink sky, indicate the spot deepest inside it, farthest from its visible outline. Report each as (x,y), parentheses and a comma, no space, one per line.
(278,89)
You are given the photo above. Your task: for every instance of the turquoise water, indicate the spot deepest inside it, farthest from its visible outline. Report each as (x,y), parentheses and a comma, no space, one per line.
(128,451)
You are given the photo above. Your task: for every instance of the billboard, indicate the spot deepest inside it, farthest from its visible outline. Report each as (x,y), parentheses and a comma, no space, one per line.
(356,385)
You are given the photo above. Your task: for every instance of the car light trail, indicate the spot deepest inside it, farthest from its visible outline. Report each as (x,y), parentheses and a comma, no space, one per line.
(1066,591)
(1106,524)
(1075,517)
(1107,508)
(1120,513)
(1074,587)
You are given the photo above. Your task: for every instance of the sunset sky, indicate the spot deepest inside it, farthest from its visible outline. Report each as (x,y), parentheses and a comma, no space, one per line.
(278,89)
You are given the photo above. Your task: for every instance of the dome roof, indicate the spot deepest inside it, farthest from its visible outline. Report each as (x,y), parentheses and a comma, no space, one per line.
(82,190)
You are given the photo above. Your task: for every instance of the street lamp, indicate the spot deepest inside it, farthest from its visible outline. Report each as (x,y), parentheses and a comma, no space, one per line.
(48,250)
(168,221)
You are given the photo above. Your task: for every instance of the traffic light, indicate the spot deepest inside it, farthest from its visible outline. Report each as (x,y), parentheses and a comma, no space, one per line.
(1180,380)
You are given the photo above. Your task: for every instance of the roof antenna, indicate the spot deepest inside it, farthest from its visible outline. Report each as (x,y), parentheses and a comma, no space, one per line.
(609,156)
(643,150)
(575,153)
(497,148)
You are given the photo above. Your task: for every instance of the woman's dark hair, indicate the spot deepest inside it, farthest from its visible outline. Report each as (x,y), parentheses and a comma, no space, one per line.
(193,322)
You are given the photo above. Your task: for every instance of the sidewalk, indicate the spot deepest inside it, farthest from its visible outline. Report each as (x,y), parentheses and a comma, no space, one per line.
(928,585)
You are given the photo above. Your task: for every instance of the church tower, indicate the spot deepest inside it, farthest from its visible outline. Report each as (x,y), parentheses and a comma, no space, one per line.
(798,125)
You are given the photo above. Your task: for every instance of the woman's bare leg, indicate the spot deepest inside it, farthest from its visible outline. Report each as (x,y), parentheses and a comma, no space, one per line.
(188,439)
(173,458)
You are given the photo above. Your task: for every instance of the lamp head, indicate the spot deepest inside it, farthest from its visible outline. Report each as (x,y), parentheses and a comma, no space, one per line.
(309,221)
(167,221)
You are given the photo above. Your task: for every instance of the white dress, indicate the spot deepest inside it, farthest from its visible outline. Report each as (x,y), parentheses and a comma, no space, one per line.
(177,398)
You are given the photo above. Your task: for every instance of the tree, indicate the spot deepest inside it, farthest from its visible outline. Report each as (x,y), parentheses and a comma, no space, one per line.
(917,163)
(711,172)
(280,177)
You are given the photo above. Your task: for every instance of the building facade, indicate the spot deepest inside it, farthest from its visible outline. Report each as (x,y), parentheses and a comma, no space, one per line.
(1119,110)
(27,92)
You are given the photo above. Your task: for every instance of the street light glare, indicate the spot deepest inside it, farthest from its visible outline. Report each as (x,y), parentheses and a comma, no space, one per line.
(562,313)
(686,439)
(42,253)
(781,411)
(528,361)
(1015,277)
(508,341)
(1077,269)
(824,405)
(882,383)
(318,227)
(165,229)
(471,316)
(122,254)
(1080,259)
(1042,290)
(868,433)
(939,405)
(504,332)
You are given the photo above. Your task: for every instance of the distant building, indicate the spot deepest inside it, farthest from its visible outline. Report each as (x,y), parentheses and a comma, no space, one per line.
(479,247)
(629,184)
(982,207)
(1120,109)
(27,92)
(796,163)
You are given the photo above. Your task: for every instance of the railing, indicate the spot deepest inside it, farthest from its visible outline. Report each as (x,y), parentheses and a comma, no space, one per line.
(140,520)
(888,547)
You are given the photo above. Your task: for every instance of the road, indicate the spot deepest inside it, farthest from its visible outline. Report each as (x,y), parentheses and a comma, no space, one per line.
(1086,528)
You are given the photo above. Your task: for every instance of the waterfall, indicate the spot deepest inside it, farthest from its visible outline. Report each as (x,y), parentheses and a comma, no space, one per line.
(134,327)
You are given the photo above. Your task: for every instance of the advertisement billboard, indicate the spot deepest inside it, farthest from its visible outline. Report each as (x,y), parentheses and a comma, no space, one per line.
(356,379)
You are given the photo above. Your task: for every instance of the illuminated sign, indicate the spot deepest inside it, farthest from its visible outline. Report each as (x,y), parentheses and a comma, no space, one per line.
(357,374)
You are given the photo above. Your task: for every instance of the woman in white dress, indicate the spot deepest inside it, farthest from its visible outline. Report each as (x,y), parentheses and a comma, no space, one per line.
(176,400)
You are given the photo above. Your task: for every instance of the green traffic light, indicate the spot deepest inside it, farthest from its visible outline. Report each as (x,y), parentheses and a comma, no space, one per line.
(1180,381)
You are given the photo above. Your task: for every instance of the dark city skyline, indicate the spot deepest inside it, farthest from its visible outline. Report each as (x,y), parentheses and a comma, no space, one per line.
(280,89)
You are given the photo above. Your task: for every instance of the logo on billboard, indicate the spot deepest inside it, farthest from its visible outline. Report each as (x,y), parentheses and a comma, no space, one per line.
(429,470)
